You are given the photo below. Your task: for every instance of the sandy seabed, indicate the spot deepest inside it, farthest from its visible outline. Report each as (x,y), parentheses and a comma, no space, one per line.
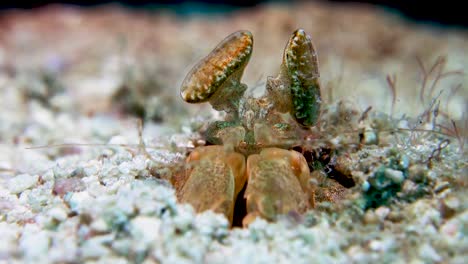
(85,76)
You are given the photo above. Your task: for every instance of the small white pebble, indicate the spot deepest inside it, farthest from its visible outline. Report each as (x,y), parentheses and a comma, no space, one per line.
(22,182)
(79,201)
(365,186)
(370,137)
(48,176)
(96,247)
(449,229)
(382,212)
(144,230)
(58,213)
(429,254)
(395,175)
(184,218)
(99,225)
(376,245)
(34,242)
(452,203)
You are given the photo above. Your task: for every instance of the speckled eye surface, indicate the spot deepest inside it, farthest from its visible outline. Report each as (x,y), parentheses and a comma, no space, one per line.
(229,57)
(300,60)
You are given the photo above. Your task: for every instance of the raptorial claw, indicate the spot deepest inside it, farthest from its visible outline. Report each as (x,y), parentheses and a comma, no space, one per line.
(278,183)
(213,179)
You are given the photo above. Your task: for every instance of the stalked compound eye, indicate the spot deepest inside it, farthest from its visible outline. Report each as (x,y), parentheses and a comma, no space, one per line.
(229,57)
(300,61)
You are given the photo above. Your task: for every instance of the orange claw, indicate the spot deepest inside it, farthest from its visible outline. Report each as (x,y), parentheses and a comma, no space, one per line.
(278,183)
(213,179)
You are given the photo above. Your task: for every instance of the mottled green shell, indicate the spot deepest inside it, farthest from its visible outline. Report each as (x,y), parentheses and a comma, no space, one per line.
(300,61)
(229,57)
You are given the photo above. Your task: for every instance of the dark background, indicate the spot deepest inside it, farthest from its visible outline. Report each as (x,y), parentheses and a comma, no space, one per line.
(445,13)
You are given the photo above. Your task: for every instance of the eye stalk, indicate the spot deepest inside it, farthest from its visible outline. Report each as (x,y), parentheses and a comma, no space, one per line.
(216,78)
(300,64)
(296,90)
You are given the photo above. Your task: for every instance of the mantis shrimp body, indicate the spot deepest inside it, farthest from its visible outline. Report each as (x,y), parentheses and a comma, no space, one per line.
(251,144)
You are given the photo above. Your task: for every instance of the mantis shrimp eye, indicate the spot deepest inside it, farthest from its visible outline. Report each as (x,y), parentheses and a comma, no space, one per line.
(228,59)
(300,61)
